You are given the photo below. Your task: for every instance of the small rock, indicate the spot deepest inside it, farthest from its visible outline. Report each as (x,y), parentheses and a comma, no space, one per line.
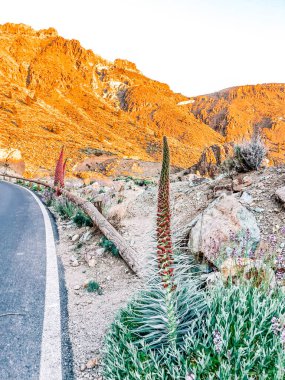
(247,181)
(280,194)
(82,367)
(75,237)
(75,263)
(92,363)
(246,198)
(77,287)
(213,279)
(92,263)
(86,236)
(258,209)
(86,282)
(248,268)
(100,251)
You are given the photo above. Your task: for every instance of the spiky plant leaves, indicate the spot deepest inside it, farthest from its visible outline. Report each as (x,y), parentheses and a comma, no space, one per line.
(161,318)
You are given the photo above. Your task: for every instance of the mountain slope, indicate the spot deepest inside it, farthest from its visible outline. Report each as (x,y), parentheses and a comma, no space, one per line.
(239,112)
(54,93)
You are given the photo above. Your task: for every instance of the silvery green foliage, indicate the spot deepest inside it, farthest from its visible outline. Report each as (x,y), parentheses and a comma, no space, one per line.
(236,339)
(163,317)
(250,154)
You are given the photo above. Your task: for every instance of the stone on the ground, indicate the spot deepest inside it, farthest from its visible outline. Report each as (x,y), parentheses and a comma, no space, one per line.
(92,263)
(92,363)
(246,198)
(212,229)
(75,237)
(240,183)
(86,236)
(100,251)
(280,194)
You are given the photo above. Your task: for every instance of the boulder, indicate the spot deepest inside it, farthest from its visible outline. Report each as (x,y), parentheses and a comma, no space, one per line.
(213,230)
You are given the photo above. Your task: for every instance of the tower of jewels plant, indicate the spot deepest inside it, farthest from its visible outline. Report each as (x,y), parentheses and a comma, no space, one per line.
(165,256)
(60,172)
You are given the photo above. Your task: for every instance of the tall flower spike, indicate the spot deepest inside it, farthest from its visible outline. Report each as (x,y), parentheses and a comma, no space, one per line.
(164,242)
(59,172)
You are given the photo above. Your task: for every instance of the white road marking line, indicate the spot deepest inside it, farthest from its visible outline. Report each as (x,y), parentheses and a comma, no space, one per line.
(51,366)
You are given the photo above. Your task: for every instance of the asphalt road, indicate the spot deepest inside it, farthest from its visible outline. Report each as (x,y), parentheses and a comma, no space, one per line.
(22,287)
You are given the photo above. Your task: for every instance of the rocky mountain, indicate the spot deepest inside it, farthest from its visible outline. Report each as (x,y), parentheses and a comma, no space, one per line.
(239,112)
(108,115)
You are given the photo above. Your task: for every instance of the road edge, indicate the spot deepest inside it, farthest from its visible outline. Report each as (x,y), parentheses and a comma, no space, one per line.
(51,355)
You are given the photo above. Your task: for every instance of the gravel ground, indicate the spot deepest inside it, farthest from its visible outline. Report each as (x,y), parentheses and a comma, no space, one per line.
(90,313)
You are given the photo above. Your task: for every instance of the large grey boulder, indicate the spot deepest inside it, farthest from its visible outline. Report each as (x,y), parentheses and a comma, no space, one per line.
(213,230)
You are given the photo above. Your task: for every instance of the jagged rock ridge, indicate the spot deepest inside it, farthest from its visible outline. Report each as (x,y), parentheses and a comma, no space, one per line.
(54,92)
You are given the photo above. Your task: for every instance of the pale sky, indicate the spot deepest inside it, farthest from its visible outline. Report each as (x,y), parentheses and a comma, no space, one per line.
(196,46)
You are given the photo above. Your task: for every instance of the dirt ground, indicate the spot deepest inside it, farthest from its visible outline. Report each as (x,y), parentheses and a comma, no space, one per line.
(90,313)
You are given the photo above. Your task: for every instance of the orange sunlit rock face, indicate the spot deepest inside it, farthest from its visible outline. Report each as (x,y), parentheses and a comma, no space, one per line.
(54,93)
(238,112)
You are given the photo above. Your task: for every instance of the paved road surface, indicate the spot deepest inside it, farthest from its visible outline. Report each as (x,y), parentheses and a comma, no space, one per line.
(23,269)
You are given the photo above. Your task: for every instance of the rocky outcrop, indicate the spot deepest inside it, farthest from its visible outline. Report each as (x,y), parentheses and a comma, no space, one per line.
(211,160)
(54,92)
(213,230)
(239,112)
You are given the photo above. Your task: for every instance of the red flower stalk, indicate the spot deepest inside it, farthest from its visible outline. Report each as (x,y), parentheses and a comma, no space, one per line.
(164,241)
(59,172)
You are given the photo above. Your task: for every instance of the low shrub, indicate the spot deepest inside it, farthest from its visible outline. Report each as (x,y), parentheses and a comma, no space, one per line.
(81,219)
(137,181)
(94,287)
(109,246)
(247,156)
(47,196)
(250,154)
(241,336)
(64,208)
(68,210)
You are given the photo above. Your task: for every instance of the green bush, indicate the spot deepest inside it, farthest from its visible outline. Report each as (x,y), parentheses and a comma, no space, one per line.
(241,336)
(137,181)
(68,210)
(109,246)
(64,208)
(81,219)
(94,287)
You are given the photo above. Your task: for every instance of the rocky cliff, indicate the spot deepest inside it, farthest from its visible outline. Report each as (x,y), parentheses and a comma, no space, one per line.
(239,112)
(54,92)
